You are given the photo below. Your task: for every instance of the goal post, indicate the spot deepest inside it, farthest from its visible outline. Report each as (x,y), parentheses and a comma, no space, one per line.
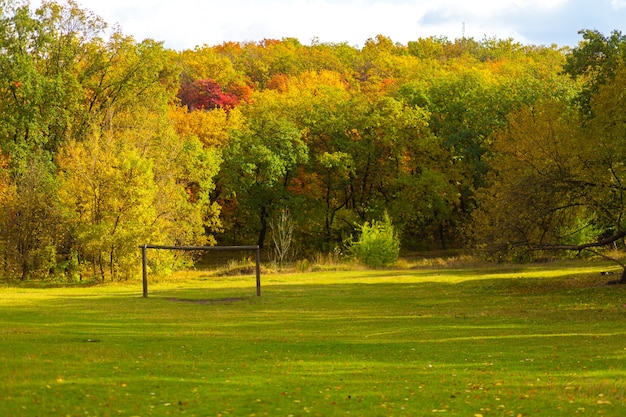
(144,259)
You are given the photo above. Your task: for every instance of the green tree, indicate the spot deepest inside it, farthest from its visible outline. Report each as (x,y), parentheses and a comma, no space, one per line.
(427,198)
(594,62)
(557,184)
(259,164)
(318,103)
(378,244)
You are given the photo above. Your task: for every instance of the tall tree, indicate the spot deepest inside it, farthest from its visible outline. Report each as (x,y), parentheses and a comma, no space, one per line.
(260,161)
(93,114)
(32,225)
(123,188)
(40,99)
(558,181)
(108,190)
(41,94)
(595,61)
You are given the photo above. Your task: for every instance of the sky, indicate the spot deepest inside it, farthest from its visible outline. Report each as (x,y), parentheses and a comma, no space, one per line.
(185,24)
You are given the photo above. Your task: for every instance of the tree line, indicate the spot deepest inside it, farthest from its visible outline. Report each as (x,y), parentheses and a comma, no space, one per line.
(107,143)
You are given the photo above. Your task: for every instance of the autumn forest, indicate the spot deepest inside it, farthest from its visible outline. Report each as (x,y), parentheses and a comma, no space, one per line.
(107,143)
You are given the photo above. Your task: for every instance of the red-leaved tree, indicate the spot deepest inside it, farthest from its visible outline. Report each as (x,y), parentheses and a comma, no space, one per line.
(206,95)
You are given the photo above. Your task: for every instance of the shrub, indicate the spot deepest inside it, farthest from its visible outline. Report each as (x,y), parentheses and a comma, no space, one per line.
(378,244)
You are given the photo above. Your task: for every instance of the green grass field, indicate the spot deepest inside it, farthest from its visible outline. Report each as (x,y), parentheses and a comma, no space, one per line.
(546,340)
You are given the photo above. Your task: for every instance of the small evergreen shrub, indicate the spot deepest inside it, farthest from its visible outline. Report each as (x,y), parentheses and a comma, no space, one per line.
(378,244)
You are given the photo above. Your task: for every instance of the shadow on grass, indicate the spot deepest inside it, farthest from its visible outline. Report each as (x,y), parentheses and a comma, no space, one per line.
(227,300)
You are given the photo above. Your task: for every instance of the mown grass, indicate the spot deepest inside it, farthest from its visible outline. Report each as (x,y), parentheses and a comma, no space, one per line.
(545,340)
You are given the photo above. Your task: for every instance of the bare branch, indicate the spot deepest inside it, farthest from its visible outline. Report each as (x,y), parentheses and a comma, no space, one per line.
(585,246)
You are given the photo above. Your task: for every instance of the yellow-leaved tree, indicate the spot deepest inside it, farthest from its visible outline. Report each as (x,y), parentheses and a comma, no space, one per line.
(108,191)
(557,183)
(211,127)
(123,188)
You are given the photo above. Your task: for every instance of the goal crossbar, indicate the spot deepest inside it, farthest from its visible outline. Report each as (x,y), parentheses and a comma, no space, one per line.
(144,259)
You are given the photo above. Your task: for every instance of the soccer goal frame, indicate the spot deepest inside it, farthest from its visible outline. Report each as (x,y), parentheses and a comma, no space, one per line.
(144,259)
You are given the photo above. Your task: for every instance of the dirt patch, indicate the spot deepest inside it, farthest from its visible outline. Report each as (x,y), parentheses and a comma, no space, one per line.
(209,301)
(237,271)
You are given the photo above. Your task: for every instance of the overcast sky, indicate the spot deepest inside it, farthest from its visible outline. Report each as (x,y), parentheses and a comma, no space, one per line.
(184,24)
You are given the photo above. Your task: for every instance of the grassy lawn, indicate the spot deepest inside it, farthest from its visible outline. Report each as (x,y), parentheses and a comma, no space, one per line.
(545,340)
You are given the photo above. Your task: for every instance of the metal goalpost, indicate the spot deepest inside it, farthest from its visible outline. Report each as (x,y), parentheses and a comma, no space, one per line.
(144,259)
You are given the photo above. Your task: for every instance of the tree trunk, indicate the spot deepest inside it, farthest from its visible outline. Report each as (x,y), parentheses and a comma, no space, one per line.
(621,280)
(263,231)
(101,264)
(442,236)
(25,271)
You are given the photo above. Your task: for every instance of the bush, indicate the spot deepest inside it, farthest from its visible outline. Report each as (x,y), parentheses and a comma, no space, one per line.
(378,244)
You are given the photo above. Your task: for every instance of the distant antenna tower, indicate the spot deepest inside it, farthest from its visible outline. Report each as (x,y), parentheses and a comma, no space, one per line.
(463,31)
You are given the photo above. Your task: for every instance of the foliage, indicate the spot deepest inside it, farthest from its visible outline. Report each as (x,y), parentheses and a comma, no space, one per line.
(595,62)
(215,141)
(93,164)
(562,190)
(535,162)
(205,95)
(32,227)
(259,164)
(108,191)
(212,127)
(378,244)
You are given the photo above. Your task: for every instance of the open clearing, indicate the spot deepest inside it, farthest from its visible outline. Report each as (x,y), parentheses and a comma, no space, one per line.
(541,340)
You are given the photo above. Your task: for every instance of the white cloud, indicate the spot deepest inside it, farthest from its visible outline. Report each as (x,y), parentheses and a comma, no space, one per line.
(187,23)
(618,4)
